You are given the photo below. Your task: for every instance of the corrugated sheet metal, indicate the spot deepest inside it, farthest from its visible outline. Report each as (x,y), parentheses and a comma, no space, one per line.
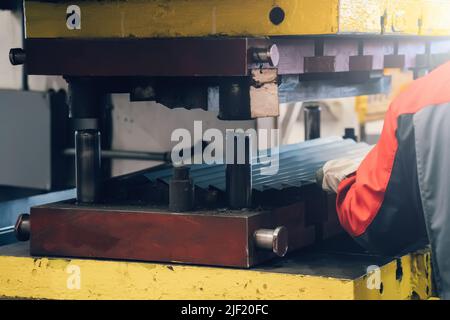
(297,165)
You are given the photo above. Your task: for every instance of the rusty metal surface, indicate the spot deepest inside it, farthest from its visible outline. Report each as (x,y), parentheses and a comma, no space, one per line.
(152,234)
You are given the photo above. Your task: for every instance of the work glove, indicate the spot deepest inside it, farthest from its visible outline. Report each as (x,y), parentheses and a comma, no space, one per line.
(334,171)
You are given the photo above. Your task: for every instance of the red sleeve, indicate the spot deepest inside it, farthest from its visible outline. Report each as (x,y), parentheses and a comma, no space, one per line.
(360,196)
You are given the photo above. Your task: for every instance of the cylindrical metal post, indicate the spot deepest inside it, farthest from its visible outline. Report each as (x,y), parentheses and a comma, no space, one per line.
(85,100)
(312,121)
(239,173)
(349,133)
(235,100)
(276,240)
(181,190)
(87,151)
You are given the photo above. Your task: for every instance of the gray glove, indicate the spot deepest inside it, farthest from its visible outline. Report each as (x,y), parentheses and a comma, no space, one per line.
(334,171)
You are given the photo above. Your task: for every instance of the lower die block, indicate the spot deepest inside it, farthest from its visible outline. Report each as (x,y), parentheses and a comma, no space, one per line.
(154,234)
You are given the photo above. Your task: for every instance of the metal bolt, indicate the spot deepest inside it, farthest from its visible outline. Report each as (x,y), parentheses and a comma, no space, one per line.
(270,55)
(273,239)
(17,56)
(22,227)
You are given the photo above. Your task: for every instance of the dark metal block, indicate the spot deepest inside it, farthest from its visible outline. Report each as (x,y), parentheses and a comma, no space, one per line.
(154,234)
(222,56)
(137,57)
(394,61)
(361,63)
(320,64)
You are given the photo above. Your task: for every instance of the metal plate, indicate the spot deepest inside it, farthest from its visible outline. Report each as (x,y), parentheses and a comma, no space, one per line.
(25,139)
(181,18)
(137,57)
(149,233)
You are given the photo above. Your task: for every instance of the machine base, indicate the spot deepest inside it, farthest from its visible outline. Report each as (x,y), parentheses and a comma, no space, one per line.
(319,273)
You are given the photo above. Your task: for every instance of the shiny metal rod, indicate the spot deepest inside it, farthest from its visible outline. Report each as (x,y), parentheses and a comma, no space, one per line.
(128,155)
(88,174)
(239,176)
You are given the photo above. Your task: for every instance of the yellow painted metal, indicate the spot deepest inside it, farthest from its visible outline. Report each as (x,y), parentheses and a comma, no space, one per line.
(184,18)
(181,18)
(361,16)
(435,18)
(57,278)
(387,17)
(395,17)
(404,16)
(413,282)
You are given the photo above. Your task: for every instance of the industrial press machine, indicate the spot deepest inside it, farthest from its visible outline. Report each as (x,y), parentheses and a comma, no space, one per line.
(242,58)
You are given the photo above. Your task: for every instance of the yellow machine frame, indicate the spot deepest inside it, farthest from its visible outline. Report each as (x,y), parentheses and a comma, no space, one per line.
(58,278)
(161,18)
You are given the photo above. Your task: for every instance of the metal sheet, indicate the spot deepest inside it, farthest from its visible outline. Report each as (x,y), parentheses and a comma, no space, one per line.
(297,165)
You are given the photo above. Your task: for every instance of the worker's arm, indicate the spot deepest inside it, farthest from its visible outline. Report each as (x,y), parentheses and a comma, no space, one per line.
(334,171)
(377,204)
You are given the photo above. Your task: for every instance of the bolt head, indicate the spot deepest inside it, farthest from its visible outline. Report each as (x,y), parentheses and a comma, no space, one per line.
(22,227)
(16,56)
(280,241)
(274,55)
